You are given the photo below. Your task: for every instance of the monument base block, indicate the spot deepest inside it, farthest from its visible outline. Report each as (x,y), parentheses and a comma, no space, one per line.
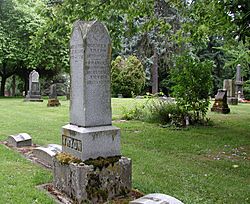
(92,142)
(89,184)
(53,103)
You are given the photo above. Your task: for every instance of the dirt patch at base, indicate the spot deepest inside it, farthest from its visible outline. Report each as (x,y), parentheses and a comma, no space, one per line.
(61,198)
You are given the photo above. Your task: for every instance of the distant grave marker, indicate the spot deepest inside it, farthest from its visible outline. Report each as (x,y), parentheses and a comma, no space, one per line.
(220,105)
(34,88)
(229,85)
(20,140)
(239,83)
(53,101)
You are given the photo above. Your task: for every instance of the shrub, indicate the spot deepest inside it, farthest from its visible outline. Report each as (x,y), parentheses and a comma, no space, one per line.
(164,112)
(158,111)
(193,82)
(128,76)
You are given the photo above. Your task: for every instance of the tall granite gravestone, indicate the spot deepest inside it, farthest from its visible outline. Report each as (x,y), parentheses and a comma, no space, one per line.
(229,85)
(90,136)
(34,88)
(239,83)
(53,101)
(220,105)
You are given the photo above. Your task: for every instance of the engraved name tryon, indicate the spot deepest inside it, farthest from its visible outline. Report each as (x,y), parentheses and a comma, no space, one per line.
(72,143)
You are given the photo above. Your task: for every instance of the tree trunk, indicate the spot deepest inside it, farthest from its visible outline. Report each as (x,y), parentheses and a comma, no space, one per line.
(26,85)
(13,85)
(155,73)
(2,85)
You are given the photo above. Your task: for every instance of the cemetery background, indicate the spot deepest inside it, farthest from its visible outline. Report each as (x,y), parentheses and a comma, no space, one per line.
(154,37)
(202,164)
(159,38)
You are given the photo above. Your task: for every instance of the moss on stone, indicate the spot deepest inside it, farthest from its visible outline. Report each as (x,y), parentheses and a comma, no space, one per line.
(101,162)
(94,190)
(66,158)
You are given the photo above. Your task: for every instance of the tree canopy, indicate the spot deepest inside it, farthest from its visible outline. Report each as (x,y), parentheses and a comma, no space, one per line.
(34,34)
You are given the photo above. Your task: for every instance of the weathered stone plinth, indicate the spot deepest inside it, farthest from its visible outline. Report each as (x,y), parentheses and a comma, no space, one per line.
(91,143)
(87,184)
(53,103)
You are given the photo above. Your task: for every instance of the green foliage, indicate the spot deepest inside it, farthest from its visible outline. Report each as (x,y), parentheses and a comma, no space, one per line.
(246,90)
(239,10)
(128,76)
(150,38)
(193,83)
(237,54)
(164,112)
(136,113)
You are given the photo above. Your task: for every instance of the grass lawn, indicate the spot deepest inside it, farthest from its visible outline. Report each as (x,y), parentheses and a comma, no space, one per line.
(197,165)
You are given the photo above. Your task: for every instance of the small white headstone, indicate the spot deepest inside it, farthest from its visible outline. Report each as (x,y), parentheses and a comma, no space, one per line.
(46,154)
(20,140)
(34,88)
(34,76)
(156,198)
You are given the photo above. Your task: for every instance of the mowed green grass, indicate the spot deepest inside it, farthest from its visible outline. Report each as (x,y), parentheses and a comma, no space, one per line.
(197,165)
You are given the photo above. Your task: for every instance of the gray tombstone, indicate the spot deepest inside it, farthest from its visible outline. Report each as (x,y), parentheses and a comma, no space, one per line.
(46,154)
(34,88)
(156,198)
(229,85)
(90,133)
(90,55)
(220,105)
(53,101)
(20,140)
(53,93)
(239,83)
